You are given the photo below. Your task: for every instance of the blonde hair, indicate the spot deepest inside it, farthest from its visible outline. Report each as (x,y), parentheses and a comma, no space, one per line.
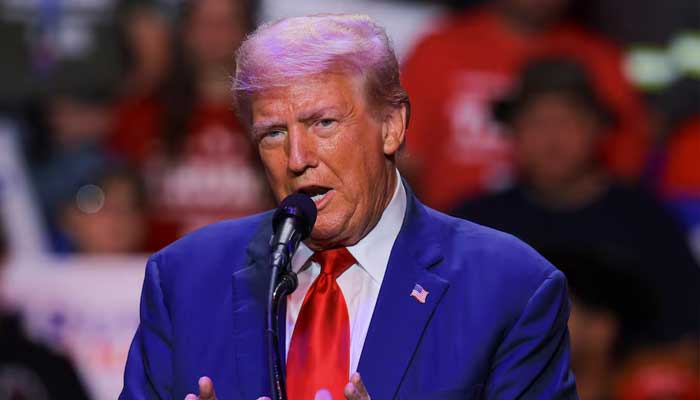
(292,48)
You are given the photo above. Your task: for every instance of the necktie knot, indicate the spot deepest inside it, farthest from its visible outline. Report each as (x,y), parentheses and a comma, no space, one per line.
(334,261)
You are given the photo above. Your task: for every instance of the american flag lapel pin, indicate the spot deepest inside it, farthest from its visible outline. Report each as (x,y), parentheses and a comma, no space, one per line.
(419,293)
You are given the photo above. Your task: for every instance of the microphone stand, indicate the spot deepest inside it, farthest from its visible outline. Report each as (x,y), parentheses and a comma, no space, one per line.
(292,222)
(282,283)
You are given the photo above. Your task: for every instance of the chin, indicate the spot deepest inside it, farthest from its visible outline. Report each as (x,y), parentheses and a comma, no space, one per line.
(326,231)
(321,233)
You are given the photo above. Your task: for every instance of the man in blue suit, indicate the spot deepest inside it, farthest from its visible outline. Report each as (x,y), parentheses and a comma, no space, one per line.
(395,300)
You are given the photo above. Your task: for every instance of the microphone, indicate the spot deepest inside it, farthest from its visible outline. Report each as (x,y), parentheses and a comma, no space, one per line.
(292,222)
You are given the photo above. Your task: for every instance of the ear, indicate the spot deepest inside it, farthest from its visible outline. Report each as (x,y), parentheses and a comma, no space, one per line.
(394,129)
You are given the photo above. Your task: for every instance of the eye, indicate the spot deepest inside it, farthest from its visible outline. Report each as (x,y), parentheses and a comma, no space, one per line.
(326,122)
(272,136)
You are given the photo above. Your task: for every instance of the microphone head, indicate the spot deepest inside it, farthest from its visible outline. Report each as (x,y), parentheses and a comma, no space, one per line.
(301,208)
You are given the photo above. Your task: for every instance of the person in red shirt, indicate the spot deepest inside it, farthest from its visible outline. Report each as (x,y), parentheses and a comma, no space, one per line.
(454,149)
(146,37)
(199,165)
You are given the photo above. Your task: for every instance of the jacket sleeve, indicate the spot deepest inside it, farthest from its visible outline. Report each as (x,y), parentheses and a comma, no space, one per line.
(532,362)
(148,373)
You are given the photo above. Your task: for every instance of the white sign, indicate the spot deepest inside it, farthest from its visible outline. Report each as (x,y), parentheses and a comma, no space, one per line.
(86,307)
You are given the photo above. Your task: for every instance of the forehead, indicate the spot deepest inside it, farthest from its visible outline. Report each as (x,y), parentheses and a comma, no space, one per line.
(299,96)
(555,103)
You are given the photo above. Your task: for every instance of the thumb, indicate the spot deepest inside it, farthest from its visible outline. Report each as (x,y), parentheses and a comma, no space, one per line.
(206,389)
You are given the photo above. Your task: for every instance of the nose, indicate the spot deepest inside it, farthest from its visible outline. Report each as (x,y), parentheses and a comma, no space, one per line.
(301,151)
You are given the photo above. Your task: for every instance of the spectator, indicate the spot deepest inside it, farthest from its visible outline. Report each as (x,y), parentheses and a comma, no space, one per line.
(106,215)
(146,34)
(29,370)
(78,119)
(454,149)
(203,168)
(609,306)
(146,31)
(565,199)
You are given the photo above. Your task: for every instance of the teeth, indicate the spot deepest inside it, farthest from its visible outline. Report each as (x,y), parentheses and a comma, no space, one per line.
(317,197)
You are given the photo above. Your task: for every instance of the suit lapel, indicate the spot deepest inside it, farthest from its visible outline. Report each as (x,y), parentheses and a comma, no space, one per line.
(250,285)
(399,320)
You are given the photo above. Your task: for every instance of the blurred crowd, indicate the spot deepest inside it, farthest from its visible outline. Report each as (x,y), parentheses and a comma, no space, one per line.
(572,124)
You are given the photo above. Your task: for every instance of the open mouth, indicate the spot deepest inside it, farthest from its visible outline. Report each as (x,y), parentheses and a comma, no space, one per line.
(317,193)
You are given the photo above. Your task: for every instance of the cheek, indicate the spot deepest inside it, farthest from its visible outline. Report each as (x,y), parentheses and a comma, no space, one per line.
(275,164)
(529,145)
(579,144)
(364,161)
(348,153)
(587,139)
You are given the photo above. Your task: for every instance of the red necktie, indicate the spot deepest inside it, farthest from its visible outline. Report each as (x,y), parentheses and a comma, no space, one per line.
(319,354)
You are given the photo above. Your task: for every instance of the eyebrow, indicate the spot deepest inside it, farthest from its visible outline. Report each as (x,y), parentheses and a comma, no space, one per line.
(264,126)
(317,114)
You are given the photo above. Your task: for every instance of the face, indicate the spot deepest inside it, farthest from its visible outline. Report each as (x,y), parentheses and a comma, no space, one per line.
(214,30)
(118,226)
(555,140)
(148,36)
(321,137)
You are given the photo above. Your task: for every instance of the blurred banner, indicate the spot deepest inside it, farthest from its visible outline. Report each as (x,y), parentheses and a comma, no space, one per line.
(84,307)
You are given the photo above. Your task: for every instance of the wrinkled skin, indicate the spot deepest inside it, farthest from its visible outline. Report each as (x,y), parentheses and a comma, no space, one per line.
(322,133)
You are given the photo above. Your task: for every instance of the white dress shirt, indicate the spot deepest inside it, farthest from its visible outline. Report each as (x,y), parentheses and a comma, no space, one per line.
(361,282)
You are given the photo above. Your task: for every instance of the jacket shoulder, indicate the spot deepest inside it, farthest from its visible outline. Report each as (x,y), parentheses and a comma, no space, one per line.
(229,230)
(219,245)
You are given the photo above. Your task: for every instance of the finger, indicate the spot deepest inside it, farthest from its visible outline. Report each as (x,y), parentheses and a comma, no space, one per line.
(206,389)
(191,397)
(356,379)
(355,389)
(351,392)
(323,394)
(264,398)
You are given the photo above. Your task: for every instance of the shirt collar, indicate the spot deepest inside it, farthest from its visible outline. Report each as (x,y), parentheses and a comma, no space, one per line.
(372,251)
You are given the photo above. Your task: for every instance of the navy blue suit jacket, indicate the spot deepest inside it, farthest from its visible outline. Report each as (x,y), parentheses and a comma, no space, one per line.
(493,325)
